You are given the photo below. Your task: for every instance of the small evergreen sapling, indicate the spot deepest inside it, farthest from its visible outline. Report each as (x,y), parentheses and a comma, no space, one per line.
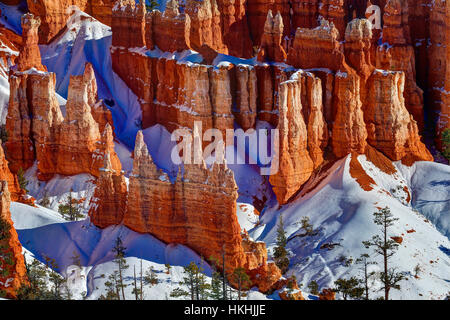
(280,254)
(23,182)
(313,287)
(349,288)
(119,254)
(446,143)
(241,278)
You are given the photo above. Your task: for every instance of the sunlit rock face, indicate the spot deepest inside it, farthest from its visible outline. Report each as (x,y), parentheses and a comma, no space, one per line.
(39,132)
(55,14)
(12,264)
(198,209)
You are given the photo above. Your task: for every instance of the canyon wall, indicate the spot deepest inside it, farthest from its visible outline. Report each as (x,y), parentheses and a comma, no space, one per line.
(17,194)
(12,264)
(413,37)
(439,66)
(330,107)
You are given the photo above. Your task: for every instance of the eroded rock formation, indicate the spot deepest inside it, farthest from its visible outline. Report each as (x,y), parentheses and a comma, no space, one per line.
(413,38)
(30,56)
(110,198)
(349,129)
(317,48)
(55,14)
(39,132)
(331,106)
(295,163)
(439,69)
(397,53)
(17,194)
(197,209)
(391,129)
(12,264)
(271,48)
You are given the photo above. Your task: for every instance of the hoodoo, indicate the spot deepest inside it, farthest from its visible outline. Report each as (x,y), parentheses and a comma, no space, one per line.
(265,149)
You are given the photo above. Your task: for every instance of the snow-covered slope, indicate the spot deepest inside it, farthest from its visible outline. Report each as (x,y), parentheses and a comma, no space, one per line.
(58,189)
(342,214)
(11,15)
(430,183)
(43,233)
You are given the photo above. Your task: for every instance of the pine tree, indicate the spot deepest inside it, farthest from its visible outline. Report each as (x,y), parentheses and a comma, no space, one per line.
(151,5)
(112,287)
(307,227)
(168,267)
(119,260)
(136,291)
(313,287)
(45,202)
(195,281)
(55,279)
(189,281)
(291,284)
(5,228)
(70,208)
(446,143)
(203,287)
(150,277)
(216,280)
(23,182)
(386,248)
(224,275)
(76,259)
(4,134)
(241,278)
(364,262)
(349,288)
(37,276)
(280,253)
(141,282)
(216,286)
(417,270)
(6,256)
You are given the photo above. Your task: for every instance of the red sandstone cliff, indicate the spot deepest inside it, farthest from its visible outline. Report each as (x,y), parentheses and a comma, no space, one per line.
(39,132)
(439,69)
(12,263)
(271,48)
(334,98)
(16,193)
(352,96)
(391,129)
(296,165)
(55,14)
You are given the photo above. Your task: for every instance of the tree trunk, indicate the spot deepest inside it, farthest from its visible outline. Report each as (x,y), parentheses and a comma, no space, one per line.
(135,284)
(366,280)
(192,289)
(142,286)
(121,280)
(239,289)
(386,284)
